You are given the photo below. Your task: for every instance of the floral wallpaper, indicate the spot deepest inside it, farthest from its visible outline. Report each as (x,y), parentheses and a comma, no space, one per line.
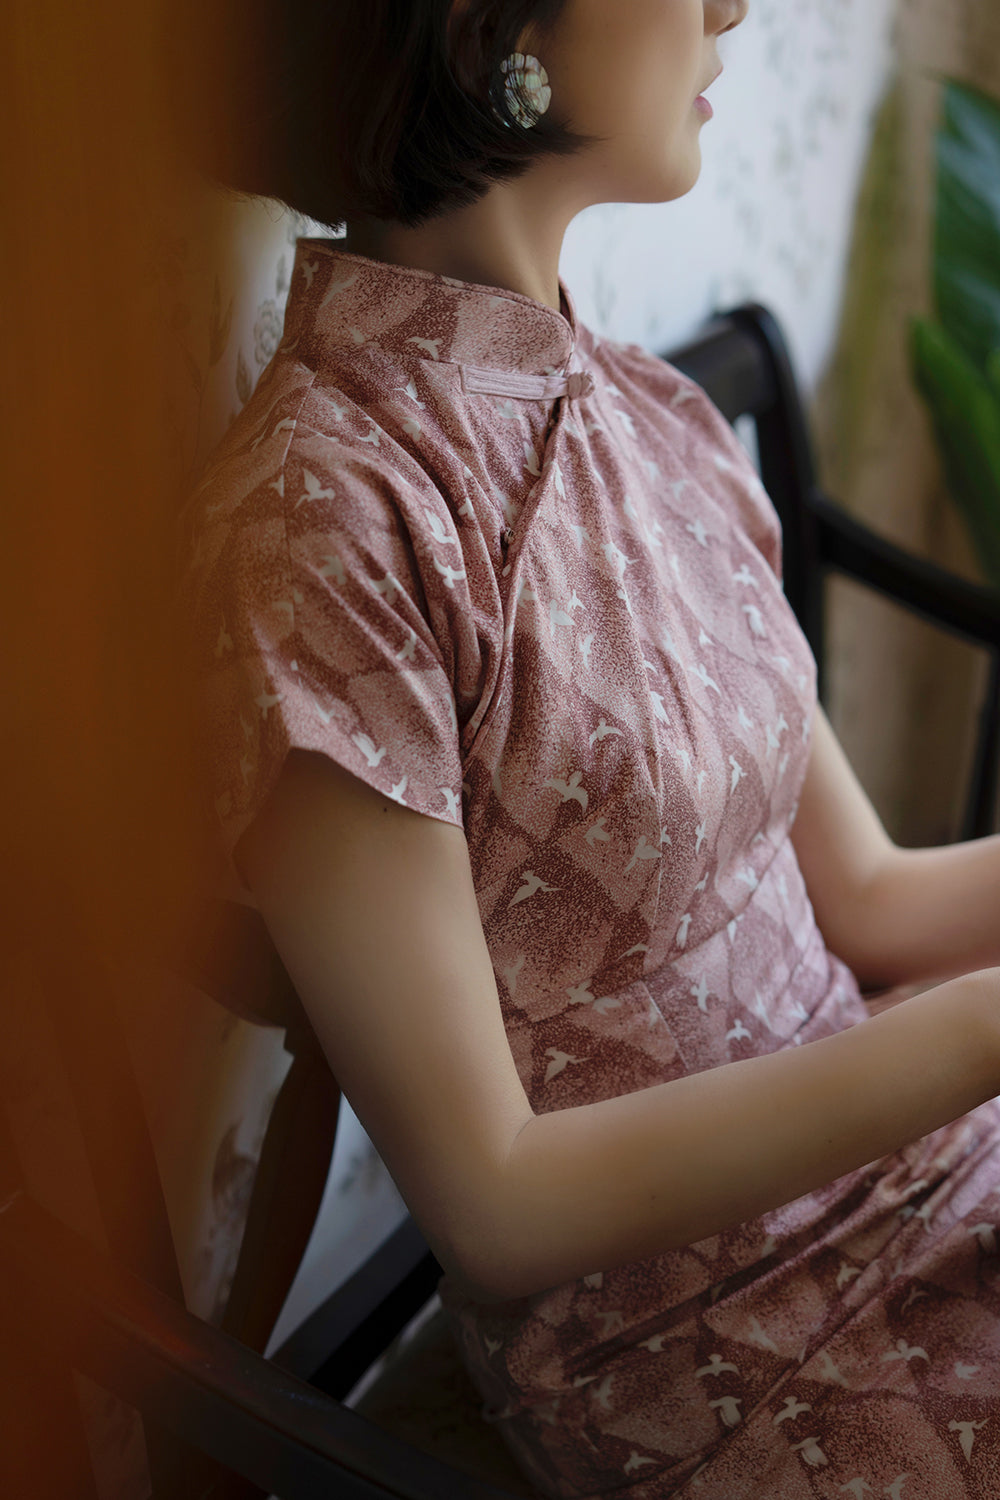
(812,200)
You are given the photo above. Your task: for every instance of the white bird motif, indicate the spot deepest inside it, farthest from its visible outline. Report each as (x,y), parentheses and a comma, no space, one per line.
(701,833)
(754,619)
(452,798)
(790,1411)
(635,1460)
(759,1008)
(905,1352)
(811,1452)
(745,721)
(655,1344)
(511,974)
(716,1365)
(439,531)
(321,712)
(682,929)
(738,1032)
(596,832)
(532,884)
(758,1336)
(531,460)
(406,652)
(745,577)
(559,1062)
(287,424)
(309,269)
(702,883)
(336,287)
(967,1434)
(450,575)
(411,391)
(569,790)
(430,346)
(266,701)
(987,1236)
(658,709)
(857,1488)
(224,642)
(701,672)
(613,1323)
(738,772)
(697,530)
(728,1409)
(595,1281)
(492,1345)
(626,418)
(965,1372)
(585,648)
(748,877)
(389,586)
(333,564)
(396,791)
(580,532)
(413,427)
(366,745)
(829,1370)
(373,436)
(312,489)
(701,993)
(846,1273)
(616,557)
(602,731)
(575,602)
(557,616)
(895,1489)
(289,604)
(643,850)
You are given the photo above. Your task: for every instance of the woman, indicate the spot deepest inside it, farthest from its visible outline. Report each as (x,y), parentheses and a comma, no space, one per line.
(516,745)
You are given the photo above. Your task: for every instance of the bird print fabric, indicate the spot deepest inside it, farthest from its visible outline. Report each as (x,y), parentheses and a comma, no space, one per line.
(526,580)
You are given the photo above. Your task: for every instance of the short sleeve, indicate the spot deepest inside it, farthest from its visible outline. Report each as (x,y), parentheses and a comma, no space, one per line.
(311,628)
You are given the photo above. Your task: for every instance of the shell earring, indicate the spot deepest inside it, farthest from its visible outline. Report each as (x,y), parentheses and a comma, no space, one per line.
(524,74)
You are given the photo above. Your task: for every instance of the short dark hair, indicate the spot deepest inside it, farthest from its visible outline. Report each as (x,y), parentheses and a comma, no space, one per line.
(340,108)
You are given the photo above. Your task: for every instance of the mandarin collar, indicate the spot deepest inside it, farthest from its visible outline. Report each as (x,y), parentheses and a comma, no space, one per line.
(339,302)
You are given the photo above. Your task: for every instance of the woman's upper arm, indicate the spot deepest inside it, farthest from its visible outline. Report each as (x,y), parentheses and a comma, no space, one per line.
(841,846)
(372,908)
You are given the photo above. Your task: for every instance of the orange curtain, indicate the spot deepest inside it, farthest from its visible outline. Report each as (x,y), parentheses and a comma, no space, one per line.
(95,753)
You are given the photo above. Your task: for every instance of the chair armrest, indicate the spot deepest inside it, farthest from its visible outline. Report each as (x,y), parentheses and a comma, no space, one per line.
(264,1423)
(943,598)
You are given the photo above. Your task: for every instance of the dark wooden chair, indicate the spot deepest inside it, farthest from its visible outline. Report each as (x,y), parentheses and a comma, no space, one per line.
(221,1421)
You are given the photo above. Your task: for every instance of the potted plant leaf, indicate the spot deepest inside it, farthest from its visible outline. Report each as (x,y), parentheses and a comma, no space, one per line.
(955,357)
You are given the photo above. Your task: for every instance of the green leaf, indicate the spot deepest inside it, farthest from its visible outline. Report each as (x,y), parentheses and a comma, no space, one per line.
(966,415)
(967,220)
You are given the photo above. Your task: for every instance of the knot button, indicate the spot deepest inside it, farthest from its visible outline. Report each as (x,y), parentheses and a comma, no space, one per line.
(580,383)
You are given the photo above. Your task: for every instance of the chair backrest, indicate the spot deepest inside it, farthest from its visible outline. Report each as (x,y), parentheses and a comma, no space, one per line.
(742,360)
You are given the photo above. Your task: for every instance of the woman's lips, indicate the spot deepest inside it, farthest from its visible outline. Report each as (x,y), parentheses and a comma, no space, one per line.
(702,104)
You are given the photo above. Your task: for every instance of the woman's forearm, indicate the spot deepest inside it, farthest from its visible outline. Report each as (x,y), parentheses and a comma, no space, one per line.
(596,1186)
(933,913)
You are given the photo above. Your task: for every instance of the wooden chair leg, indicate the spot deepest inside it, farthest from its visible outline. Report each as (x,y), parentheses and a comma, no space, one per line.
(288,1187)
